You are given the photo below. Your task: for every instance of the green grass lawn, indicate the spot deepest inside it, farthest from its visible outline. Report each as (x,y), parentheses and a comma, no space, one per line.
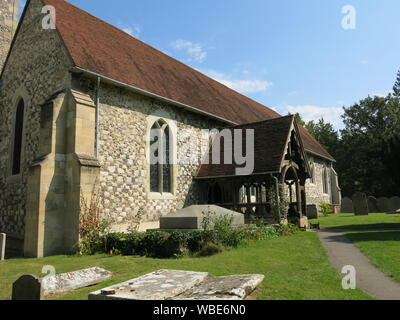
(373,221)
(295,267)
(382,248)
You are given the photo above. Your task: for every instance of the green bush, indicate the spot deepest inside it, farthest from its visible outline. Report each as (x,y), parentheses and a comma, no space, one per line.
(210,249)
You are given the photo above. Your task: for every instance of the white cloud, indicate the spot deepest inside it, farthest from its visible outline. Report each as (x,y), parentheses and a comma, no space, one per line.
(133,30)
(241,85)
(195,51)
(311,112)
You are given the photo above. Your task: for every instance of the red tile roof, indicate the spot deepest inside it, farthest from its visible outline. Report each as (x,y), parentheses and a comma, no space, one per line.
(99,47)
(270,141)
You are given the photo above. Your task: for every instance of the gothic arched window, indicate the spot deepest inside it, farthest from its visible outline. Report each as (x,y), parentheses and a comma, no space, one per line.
(325,180)
(18,137)
(160,154)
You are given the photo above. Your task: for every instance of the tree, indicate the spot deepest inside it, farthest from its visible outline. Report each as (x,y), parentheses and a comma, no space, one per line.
(298,119)
(396,87)
(370,147)
(325,134)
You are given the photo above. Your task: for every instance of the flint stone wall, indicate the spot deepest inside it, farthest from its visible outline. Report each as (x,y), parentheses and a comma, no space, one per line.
(314,191)
(123,133)
(38,67)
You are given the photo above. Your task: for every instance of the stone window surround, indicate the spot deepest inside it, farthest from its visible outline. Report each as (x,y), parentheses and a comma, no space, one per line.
(326,180)
(313,180)
(162,115)
(21,93)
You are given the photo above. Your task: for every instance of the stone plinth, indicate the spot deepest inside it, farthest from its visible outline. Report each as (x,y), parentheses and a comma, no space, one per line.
(181,285)
(192,217)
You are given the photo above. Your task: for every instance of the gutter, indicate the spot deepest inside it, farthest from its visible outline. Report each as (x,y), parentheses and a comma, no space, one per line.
(167,100)
(151,95)
(97,145)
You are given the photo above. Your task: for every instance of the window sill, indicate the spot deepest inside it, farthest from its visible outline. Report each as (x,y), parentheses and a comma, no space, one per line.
(161,196)
(14,179)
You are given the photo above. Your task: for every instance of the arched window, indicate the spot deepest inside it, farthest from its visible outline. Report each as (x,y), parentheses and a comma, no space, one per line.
(312,172)
(160,154)
(17,143)
(325,180)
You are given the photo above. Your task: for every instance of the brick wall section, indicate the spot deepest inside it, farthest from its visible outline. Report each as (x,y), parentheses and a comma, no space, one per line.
(38,65)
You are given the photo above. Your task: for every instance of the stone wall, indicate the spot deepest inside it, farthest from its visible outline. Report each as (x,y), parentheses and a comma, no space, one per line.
(8,25)
(314,190)
(36,69)
(123,146)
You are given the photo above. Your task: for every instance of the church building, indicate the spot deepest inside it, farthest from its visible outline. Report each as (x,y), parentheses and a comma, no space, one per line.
(79,100)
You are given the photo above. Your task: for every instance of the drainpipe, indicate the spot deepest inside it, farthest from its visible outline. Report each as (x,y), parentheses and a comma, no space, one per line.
(97,147)
(278,200)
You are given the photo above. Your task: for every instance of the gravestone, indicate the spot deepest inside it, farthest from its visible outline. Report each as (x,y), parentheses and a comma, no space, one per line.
(181,285)
(2,246)
(372,204)
(27,287)
(394,204)
(360,204)
(312,211)
(383,204)
(347,205)
(192,217)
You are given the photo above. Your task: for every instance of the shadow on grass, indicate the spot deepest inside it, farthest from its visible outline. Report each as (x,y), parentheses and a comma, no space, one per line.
(374,236)
(372,226)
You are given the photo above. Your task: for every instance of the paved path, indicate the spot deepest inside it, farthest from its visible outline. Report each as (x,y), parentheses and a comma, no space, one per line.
(342,252)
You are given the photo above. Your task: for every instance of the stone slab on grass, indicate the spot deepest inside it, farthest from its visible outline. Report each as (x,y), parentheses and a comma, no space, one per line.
(181,285)
(158,285)
(74,280)
(223,288)
(29,287)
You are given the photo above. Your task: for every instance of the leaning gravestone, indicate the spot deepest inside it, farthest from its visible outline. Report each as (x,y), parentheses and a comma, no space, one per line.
(312,211)
(360,204)
(383,204)
(394,204)
(347,205)
(372,204)
(29,287)
(2,246)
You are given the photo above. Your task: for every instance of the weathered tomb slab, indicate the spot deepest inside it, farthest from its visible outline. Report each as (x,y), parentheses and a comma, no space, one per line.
(312,211)
(372,204)
(29,287)
(158,285)
(223,288)
(360,203)
(2,246)
(192,217)
(383,204)
(394,204)
(74,280)
(347,205)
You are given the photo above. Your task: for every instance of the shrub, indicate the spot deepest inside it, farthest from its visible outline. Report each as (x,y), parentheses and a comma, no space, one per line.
(210,249)
(326,208)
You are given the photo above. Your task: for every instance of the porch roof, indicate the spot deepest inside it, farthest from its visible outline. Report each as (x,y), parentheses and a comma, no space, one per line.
(270,141)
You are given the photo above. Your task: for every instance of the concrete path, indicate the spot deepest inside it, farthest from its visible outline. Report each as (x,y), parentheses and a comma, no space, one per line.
(342,252)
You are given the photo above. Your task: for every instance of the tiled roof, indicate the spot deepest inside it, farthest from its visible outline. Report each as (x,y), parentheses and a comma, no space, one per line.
(99,47)
(270,140)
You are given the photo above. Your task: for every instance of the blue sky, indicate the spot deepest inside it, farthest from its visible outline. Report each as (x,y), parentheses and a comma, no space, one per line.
(291,55)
